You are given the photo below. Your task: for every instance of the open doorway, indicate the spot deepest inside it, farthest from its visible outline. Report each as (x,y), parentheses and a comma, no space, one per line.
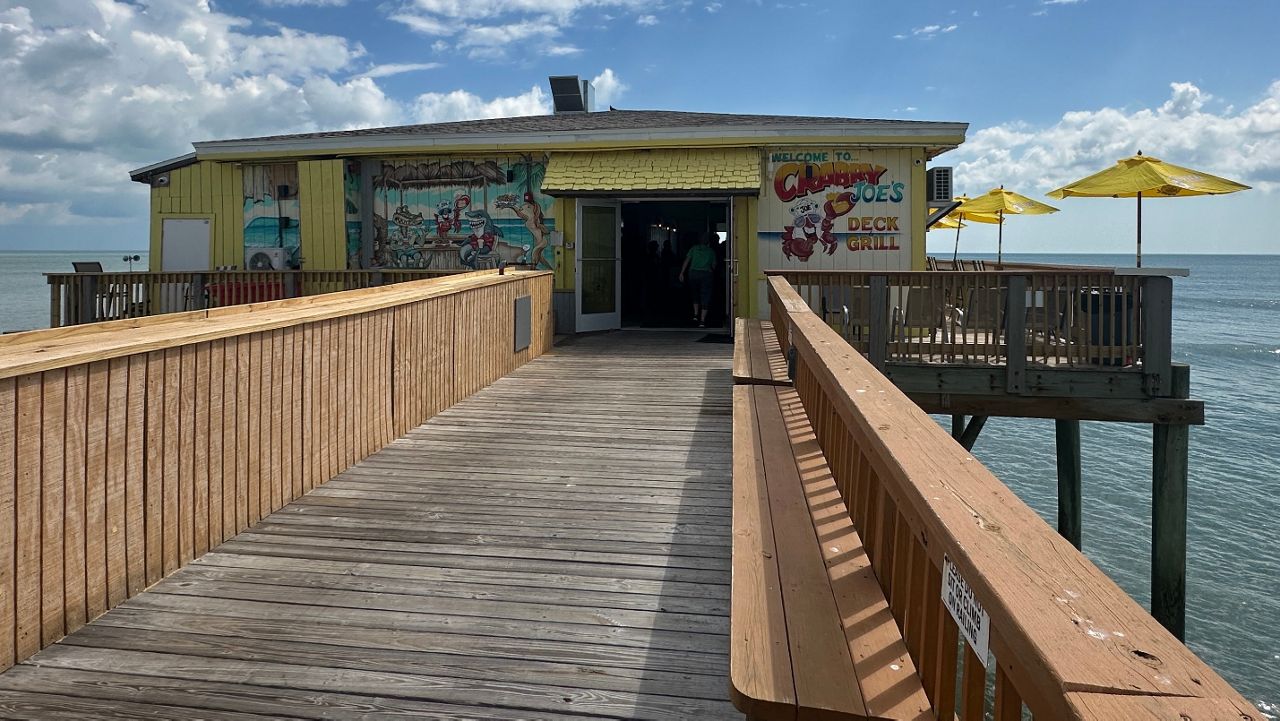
(656,239)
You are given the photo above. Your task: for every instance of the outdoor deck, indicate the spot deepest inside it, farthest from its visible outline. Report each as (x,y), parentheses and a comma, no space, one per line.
(557,543)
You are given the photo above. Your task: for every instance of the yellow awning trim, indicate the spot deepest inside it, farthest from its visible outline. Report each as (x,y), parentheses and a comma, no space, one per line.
(658,170)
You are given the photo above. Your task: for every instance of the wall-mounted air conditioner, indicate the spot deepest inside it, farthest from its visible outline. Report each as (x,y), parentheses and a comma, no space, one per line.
(265,258)
(938,185)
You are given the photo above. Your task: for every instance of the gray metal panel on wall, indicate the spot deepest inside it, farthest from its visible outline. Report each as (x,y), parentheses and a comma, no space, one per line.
(524,322)
(564,305)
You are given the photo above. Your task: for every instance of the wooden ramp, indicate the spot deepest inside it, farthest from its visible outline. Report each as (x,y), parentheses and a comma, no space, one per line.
(557,545)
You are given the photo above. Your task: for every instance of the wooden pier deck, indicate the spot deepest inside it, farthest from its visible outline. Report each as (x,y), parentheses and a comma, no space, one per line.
(556,545)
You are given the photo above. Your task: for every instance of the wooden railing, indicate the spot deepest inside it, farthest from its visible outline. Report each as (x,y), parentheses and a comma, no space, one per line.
(76,298)
(1014,319)
(128,448)
(1067,641)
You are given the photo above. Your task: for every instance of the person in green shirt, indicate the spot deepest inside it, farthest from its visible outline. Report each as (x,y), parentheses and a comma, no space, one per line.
(698,264)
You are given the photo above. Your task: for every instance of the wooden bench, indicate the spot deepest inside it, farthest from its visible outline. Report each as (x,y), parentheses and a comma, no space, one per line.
(757,356)
(812,635)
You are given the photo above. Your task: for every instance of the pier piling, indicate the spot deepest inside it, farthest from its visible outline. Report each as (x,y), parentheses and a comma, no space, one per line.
(1069,490)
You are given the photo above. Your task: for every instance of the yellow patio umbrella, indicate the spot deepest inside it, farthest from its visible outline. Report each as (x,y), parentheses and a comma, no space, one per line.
(1001,202)
(959,216)
(947,223)
(1144,176)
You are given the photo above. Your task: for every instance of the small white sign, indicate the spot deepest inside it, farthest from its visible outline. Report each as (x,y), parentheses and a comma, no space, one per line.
(970,616)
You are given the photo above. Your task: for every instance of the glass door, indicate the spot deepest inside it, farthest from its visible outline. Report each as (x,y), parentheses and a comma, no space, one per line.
(599,265)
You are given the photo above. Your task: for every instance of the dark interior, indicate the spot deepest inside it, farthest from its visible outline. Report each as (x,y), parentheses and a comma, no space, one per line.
(656,235)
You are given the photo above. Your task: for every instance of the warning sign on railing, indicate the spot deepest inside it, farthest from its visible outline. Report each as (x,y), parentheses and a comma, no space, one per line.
(970,616)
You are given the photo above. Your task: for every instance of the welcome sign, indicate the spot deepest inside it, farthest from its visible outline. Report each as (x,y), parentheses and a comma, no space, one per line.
(836,209)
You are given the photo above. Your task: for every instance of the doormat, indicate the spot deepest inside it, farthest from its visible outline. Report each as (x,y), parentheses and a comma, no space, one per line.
(716,338)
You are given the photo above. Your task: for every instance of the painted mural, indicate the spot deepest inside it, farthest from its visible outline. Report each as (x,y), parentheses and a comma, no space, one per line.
(271,209)
(351,192)
(836,209)
(461,213)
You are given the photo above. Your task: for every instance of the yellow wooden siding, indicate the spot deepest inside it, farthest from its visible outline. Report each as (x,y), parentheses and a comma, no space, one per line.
(565,210)
(322,225)
(745,249)
(920,209)
(205,189)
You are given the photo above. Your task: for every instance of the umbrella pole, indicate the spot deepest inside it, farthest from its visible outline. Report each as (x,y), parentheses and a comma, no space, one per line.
(1000,241)
(955,256)
(1139,229)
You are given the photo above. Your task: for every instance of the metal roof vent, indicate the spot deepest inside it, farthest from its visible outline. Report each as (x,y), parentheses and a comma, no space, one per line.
(571,95)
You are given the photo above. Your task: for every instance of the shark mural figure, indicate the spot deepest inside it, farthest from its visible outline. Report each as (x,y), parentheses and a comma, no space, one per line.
(531,213)
(484,236)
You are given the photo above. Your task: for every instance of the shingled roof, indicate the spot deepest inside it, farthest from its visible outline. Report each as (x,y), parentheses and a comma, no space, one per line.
(639,128)
(586,122)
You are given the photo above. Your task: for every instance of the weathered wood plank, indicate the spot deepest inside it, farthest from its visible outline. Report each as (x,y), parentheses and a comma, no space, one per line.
(543,588)
(73,542)
(117,467)
(758,633)
(8,515)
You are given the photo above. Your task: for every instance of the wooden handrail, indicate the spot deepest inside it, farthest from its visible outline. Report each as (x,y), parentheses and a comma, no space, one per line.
(1069,643)
(78,298)
(129,448)
(1015,319)
(38,350)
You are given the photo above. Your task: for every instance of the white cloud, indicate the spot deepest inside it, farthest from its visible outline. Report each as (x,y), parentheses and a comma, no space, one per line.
(1061,2)
(561,10)
(495,30)
(608,88)
(559,50)
(647,20)
(927,32)
(304,3)
(1243,146)
(463,105)
(389,69)
(94,88)
(713,7)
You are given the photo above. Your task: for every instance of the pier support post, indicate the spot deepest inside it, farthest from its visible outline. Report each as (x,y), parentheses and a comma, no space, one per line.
(957,425)
(1169,526)
(971,431)
(1169,515)
(1069,490)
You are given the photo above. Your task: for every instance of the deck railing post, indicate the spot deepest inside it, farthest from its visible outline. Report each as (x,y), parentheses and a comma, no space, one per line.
(1157,334)
(1015,334)
(199,298)
(878,318)
(55,303)
(87,298)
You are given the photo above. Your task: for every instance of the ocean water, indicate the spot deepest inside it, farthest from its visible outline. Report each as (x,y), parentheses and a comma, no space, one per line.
(24,292)
(1227,327)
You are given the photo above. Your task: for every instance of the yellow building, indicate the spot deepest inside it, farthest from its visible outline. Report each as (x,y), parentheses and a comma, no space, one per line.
(611,200)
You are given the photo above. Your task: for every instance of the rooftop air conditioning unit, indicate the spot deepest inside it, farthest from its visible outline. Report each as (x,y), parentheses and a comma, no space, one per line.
(938,187)
(571,95)
(265,258)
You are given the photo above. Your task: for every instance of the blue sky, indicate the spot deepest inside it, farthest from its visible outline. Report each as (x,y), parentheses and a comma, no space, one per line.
(1053,90)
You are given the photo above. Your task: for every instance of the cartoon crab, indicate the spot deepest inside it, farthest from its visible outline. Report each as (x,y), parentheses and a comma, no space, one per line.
(799,238)
(809,227)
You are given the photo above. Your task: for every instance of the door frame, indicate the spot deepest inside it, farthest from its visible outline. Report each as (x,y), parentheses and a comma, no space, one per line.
(598,321)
